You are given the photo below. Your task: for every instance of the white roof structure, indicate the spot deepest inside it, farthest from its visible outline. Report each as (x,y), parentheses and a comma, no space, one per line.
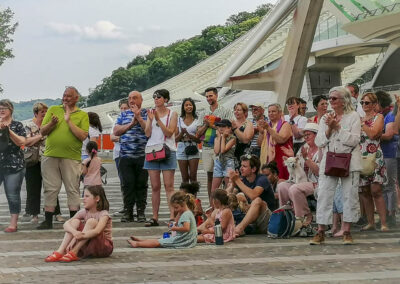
(195,80)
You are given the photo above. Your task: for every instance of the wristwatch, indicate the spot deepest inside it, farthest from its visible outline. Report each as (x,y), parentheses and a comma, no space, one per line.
(291,122)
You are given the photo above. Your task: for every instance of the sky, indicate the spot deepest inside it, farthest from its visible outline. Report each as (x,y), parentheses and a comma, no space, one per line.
(61,43)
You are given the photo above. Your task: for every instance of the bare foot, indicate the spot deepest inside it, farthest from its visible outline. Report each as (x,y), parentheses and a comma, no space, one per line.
(133,238)
(133,243)
(339,234)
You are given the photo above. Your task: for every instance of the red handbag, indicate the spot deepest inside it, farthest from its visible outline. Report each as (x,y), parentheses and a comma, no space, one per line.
(158,152)
(337,164)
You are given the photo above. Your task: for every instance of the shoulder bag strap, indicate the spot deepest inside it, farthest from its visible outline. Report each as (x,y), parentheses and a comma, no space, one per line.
(165,137)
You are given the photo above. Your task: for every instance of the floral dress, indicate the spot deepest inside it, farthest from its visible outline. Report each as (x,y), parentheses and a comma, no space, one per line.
(370,146)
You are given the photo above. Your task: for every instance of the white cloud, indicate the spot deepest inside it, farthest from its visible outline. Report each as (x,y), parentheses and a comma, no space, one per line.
(138,48)
(102,30)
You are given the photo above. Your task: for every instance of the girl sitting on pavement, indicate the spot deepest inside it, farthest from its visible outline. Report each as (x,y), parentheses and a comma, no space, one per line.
(91,166)
(186,233)
(193,188)
(221,212)
(88,233)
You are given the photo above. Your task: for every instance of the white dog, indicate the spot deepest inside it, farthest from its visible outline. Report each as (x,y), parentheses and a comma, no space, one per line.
(296,171)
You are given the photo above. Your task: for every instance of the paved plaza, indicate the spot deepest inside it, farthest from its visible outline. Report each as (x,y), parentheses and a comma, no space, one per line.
(375,258)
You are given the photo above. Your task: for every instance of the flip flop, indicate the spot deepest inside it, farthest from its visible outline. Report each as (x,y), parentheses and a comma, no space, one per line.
(152,223)
(54,257)
(69,257)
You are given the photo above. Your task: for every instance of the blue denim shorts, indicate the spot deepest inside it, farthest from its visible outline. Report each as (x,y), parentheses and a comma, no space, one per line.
(180,152)
(169,164)
(221,170)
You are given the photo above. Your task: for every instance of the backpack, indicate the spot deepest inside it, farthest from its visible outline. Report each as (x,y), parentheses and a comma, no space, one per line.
(282,223)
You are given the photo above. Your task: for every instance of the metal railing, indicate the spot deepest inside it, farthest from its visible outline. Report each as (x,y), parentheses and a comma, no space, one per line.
(378,11)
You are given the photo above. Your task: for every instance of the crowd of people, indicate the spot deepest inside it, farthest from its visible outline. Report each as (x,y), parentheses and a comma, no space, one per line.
(345,160)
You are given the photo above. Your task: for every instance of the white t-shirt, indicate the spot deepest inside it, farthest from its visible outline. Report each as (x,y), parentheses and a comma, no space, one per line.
(158,137)
(300,122)
(191,129)
(93,133)
(116,148)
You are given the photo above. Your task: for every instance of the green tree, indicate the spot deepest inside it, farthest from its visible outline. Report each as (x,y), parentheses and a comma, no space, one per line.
(7,29)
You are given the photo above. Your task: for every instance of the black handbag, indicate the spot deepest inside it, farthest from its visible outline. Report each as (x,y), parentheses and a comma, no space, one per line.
(191,150)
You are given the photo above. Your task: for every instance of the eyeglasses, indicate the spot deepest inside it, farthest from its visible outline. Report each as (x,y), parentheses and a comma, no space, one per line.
(4,108)
(365,103)
(157,96)
(333,98)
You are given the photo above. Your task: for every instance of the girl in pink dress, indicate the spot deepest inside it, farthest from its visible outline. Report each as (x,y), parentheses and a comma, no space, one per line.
(221,212)
(88,233)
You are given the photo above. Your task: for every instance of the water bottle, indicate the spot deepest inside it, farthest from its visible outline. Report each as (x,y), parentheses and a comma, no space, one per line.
(219,238)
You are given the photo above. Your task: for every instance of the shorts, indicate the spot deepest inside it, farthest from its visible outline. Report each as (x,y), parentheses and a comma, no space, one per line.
(180,152)
(221,170)
(98,246)
(207,157)
(262,222)
(166,165)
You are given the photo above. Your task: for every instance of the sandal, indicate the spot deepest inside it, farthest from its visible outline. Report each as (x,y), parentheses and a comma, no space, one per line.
(368,227)
(151,223)
(54,257)
(69,257)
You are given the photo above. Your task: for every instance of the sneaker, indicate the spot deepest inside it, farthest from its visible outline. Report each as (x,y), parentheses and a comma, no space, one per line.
(347,238)
(26,218)
(128,217)
(59,218)
(318,239)
(44,226)
(141,218)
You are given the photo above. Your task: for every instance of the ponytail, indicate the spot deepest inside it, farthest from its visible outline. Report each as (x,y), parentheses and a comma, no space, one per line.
(92,149)
(180,197)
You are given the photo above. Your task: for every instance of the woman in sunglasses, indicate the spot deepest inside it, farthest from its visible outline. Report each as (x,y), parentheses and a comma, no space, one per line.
(338,132)
(371,186)
(160,128)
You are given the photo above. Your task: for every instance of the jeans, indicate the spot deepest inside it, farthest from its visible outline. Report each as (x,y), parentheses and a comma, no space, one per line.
(134,183)
(12,187)
(33,179)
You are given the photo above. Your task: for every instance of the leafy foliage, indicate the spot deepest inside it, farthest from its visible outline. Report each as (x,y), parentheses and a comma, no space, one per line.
(7,29)
(162,63)
(24,110)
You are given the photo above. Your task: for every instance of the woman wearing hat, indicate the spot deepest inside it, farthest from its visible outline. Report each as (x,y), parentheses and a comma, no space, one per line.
(224,149)
(309,157)
(12,164)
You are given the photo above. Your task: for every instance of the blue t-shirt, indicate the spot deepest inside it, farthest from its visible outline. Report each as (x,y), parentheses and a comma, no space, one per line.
(267,195)
(389,148)
(133,141)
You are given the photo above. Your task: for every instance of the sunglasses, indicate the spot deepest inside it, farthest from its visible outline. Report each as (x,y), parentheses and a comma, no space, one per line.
(333,98)
(157,96)
(365,103)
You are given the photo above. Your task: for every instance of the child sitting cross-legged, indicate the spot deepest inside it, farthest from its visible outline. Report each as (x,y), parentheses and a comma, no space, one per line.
(88,233)
(186,233)
(221,212)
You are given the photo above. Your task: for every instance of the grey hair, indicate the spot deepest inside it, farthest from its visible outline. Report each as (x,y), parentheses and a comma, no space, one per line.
(346,96)
(278,106)
(75,90)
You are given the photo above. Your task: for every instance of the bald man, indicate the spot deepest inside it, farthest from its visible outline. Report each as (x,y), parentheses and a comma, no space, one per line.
(130,127)
(65,126)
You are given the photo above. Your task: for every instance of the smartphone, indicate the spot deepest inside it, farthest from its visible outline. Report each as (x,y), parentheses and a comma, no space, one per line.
(208,210)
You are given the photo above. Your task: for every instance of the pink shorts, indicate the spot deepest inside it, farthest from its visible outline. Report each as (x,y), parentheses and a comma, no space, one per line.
(98,246)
